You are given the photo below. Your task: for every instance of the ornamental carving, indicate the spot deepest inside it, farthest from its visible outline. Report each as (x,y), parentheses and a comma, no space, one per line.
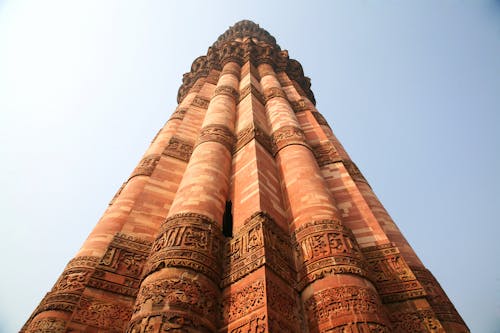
(257,50)
(286,136)
(72,280)
(334,305)
(272,93)
(436,296)
(325,153)
(188,240)
(169,322)
(65,302)
(48,325)
(217,133)
(179,149)
(393,278)
(260,242)
(179,113)
(242,302)
(326,247)
(255,324)
(106,315)
(120,269)
(146,166)
(228,91)
(251,89)
(200,102)
(416,322)
(283,302)
(299,105)
(183,293)
(360,327)
(249,133)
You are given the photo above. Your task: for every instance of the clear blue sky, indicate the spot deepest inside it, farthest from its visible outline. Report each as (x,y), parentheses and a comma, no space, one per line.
(411,88)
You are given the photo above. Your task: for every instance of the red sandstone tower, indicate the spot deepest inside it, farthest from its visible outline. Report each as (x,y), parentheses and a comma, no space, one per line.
(245,215)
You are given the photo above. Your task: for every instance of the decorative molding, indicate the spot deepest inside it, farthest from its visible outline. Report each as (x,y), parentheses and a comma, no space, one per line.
(146,166)
(325,153)
(217,133)
(286,136)
(391,275)
(273,92)
(179,113)
(249,133)
(179,149)
(188,240)
(228,91)
(104,315)
(169,322)
(440,303)
(335,307)
(419,321)
(259,242)
(323,248)
(240,303)
(253,324)
(299,105)
(200,102)
(251,89)
(48,325)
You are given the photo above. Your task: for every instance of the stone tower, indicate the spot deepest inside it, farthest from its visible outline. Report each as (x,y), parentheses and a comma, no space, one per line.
(245,214)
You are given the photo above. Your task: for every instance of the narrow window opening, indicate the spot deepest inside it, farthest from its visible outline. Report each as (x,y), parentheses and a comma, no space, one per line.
(227,220)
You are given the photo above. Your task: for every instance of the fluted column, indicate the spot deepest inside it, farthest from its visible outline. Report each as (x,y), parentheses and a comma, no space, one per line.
(328,261)
(180,289)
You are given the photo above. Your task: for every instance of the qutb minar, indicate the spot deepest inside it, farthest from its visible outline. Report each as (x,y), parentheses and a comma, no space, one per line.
(245,214)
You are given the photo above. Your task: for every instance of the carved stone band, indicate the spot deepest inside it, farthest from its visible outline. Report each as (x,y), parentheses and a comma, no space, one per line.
(252,132)
(286,136)
(217,133)
(299,105)
(391,275)
(326,247)
(260,242)
(179,113)
(188,240)
(251,89)
(326,153)
(179,149)
(201,102)
(227,90)
(146,166)
(273,92)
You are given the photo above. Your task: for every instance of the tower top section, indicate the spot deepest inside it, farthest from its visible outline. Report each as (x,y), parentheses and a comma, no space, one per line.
(246,29)
(246,42)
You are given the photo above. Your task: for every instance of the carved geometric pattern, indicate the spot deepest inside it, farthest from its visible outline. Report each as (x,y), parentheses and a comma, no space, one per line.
(260,242)
(188,240)
(146,166)
(48,325)
(326,247)
(169,322)
(420,321)
(251,324)
(272,93)
(325,153)
(113,317)
(393,278)
(333,307)
(440,303)
(251,89)
(286,136)
(183,294)
(200,102)
(248,134)
(299,105)
(179,113)
(120,269)
(217,133)
(228,91)
(241,302)
(179,149)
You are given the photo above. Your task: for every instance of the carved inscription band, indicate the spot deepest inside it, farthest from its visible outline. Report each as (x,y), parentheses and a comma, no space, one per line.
(217,133)
(179,149)
(228,91)
(286,136)
(188,240)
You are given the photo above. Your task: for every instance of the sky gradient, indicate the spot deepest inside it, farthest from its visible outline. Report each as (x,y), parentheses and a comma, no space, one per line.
(410,88)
